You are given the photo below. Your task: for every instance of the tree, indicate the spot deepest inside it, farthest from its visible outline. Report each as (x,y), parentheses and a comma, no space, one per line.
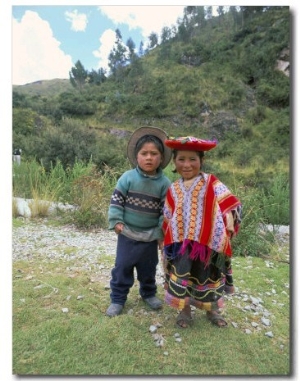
(233,11)
(220,11)
(78,75)
(97,77)
(153,40)
(165,34)
(117,56)
(209,13)
(131,50)
(141,49)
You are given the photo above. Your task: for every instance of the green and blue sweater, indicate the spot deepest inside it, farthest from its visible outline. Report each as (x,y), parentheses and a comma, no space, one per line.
(137,202)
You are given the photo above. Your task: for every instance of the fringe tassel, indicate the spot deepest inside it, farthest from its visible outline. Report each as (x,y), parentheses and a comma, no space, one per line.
(196,250)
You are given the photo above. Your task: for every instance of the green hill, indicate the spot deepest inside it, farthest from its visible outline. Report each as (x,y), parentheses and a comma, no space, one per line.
(225,77)
(47,88)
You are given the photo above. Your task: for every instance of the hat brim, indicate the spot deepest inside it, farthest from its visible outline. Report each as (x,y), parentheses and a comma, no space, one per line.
(200,145)
(137,134)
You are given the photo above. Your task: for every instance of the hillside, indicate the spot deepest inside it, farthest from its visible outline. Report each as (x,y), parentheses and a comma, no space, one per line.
(46,88)
(226,77)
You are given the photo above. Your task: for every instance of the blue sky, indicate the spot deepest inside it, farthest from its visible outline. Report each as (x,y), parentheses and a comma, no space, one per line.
(48,40)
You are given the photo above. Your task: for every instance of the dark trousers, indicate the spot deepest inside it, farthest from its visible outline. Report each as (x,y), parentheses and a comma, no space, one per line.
(133,254)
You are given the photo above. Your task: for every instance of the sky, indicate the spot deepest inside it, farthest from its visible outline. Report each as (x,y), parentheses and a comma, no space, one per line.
(47,41)
(43,41)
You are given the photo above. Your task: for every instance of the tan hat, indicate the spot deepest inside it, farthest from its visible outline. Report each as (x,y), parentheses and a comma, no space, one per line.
(142,131)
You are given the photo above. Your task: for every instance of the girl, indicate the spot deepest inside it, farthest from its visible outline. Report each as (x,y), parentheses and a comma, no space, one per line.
(201,216)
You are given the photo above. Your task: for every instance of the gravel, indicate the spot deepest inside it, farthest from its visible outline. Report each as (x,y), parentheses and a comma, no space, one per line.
(90,250)
(86,250)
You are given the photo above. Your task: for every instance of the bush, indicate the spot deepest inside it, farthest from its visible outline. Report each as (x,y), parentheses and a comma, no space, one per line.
(250,240)
(275,201)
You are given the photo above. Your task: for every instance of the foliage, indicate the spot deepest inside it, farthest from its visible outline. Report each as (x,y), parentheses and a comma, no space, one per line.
(82,186)
(92,193)
(208,76)
(78,75)
(268,205)
(275,91)
(275,201)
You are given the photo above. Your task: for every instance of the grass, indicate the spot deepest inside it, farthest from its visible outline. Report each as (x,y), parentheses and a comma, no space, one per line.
(83,341)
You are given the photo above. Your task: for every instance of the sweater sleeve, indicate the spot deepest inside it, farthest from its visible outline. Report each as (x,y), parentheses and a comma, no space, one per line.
(162,204)
(117,202)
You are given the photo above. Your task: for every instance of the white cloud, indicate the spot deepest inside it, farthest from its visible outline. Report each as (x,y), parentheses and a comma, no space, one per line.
(146,17)
(106,41)
(36,54)
(78,20)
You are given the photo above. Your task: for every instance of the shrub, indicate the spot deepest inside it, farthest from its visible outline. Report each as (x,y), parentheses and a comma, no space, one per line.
(275,201)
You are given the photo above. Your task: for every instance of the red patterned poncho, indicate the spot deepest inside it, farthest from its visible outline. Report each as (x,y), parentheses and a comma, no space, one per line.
(197,217)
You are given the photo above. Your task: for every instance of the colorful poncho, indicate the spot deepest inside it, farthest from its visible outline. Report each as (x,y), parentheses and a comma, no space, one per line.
(197,217)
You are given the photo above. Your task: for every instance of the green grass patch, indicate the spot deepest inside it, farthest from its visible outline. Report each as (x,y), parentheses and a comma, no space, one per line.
(83,341)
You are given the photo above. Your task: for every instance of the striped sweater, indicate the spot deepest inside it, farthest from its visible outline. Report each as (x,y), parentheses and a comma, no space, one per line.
(137,201)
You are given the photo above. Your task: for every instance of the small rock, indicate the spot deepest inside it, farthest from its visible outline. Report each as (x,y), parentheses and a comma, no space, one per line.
(153,328)
(235,325)
(65,310)
(248,331)
(265,321)
(178,339)
(269,334)
(79,297)
(255,301)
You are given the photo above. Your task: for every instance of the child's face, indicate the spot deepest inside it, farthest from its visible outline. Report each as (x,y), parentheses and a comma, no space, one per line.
(187,164)
(149,158)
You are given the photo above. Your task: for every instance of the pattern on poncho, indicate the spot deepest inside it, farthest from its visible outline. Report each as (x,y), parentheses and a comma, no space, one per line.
(198,215)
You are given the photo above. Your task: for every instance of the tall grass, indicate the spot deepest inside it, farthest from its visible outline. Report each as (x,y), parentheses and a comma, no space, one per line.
(82,186)
(90,190)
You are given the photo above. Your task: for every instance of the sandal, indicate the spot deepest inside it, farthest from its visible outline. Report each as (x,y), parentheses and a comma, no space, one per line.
(216,319)
(183,320)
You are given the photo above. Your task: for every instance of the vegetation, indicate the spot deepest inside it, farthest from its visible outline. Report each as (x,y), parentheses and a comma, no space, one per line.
(209,77)
(90,190)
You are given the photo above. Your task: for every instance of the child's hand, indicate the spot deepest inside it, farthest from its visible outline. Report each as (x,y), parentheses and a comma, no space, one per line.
(119,228)
(160,244)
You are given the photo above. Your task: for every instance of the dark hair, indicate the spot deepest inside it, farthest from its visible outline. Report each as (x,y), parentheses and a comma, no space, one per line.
(200,154)
(149,139)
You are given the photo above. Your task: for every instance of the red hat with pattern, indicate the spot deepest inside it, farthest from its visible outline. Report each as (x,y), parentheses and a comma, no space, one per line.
(190,143)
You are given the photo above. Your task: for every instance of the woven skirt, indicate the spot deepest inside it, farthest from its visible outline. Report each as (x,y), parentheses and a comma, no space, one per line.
(192,282)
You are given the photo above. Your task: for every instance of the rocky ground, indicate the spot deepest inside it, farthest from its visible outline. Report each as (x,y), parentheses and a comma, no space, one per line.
(46,242)
(93,251)
(87,249)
